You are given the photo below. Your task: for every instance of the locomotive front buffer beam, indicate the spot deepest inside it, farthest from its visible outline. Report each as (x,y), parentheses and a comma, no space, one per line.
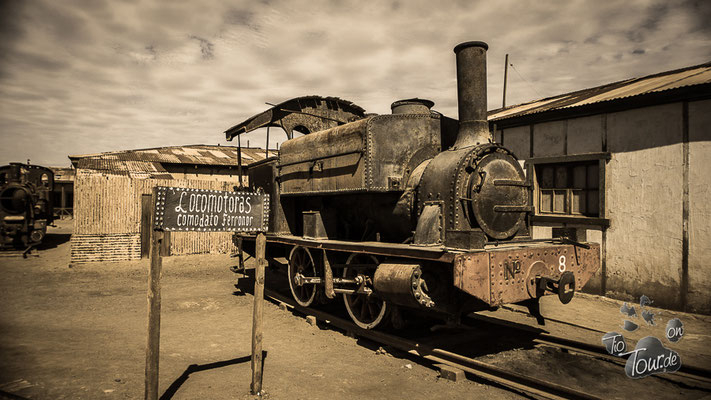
(524,275)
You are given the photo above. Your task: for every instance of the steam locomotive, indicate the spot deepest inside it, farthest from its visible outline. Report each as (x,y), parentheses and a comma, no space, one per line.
(410,211)
(25,204)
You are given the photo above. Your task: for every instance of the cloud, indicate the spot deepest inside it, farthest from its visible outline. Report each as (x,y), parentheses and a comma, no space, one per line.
(206,47)
(93,76)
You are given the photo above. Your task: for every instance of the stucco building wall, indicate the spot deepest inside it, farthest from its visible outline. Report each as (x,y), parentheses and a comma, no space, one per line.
(644,203)
(651,149)
(699,294)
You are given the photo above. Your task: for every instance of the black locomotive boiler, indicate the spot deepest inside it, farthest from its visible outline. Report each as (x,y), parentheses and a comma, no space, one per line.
(407,211)
(25,205)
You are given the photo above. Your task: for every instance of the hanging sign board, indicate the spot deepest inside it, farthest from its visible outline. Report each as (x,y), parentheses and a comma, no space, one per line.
(185,209)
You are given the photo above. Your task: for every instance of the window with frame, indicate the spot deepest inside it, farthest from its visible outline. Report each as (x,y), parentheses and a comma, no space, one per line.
(568,188)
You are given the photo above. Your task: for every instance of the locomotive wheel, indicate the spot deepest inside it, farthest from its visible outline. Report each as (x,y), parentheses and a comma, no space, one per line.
(301,263)
(366,310)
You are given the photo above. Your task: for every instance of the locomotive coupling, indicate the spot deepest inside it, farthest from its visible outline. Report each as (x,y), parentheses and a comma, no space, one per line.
(564,287)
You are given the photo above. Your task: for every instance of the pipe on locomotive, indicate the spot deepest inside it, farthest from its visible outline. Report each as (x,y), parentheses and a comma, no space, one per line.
(471,94)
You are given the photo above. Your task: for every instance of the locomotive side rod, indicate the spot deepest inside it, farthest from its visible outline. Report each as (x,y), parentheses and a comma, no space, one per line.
(513,380)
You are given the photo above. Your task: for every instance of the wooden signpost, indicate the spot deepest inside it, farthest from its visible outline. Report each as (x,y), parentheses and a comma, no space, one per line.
(184,209)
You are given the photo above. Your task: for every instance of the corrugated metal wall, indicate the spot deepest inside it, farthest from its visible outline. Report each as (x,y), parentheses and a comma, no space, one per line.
(108,207)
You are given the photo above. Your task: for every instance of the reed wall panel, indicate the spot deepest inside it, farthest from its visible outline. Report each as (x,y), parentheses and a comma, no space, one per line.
(108,206)
(103,248)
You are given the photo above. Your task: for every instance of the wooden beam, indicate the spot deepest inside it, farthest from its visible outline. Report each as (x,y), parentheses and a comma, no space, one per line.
(153,345)
(257,357)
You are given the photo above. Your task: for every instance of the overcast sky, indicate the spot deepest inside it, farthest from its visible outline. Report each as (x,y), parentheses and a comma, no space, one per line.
(85,76)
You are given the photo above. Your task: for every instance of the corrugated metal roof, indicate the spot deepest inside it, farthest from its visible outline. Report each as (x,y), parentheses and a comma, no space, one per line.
(148,161)
(690,76)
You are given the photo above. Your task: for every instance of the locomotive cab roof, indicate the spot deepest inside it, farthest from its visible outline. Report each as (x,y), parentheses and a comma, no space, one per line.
(303,114)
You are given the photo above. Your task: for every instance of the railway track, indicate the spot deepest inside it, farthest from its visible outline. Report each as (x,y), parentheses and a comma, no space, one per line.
(688,376)
(523,384)
(510,379)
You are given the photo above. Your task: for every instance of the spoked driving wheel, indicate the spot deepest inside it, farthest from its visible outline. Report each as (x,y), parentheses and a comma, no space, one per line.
(366,309)
(301,265)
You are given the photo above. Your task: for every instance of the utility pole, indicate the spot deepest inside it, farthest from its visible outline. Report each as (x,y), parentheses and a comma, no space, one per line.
(506,72)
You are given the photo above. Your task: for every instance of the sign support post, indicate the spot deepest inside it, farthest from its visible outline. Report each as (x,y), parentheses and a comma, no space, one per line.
(257,356)
(153,345)
(200,210)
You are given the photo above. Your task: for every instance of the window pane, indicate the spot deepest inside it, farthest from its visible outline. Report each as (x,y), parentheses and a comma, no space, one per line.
(546,178)
(559,201)
(593,202)
(546,201)
(593,176)
(578,202)
(561,177)
(579,173)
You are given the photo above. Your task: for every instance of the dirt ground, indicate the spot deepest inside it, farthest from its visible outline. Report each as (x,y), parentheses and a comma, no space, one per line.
(79,333)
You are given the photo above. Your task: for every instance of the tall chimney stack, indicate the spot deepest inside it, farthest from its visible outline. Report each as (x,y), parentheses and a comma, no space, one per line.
(471,94)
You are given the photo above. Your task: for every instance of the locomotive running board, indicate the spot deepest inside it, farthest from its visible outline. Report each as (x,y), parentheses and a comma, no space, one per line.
(433,253)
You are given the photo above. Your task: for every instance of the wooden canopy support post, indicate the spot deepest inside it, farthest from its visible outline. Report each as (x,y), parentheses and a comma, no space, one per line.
(266,153)
(239,160)
(257,356)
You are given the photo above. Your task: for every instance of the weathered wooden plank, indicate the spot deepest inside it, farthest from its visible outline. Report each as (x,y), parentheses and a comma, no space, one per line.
(258,314)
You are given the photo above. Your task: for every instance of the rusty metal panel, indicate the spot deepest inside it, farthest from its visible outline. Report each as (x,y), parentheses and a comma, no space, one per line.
(396,145)
(511,272)
(430,230)
(340,173)
(324,162)
(343,139)
(374,154)
(331,175)
(471,275)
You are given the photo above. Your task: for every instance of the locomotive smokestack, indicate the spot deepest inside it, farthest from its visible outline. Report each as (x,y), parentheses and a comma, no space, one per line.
(471,94)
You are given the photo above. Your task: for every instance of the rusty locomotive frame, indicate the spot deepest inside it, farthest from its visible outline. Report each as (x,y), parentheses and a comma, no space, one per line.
(26,206)
(408,212)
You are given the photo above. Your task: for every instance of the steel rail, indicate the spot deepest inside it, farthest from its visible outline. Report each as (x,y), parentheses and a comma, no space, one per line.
(699,375)
(510,379)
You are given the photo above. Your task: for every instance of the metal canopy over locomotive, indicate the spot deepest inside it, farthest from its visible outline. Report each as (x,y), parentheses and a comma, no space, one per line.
(414,210)
(25,204)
